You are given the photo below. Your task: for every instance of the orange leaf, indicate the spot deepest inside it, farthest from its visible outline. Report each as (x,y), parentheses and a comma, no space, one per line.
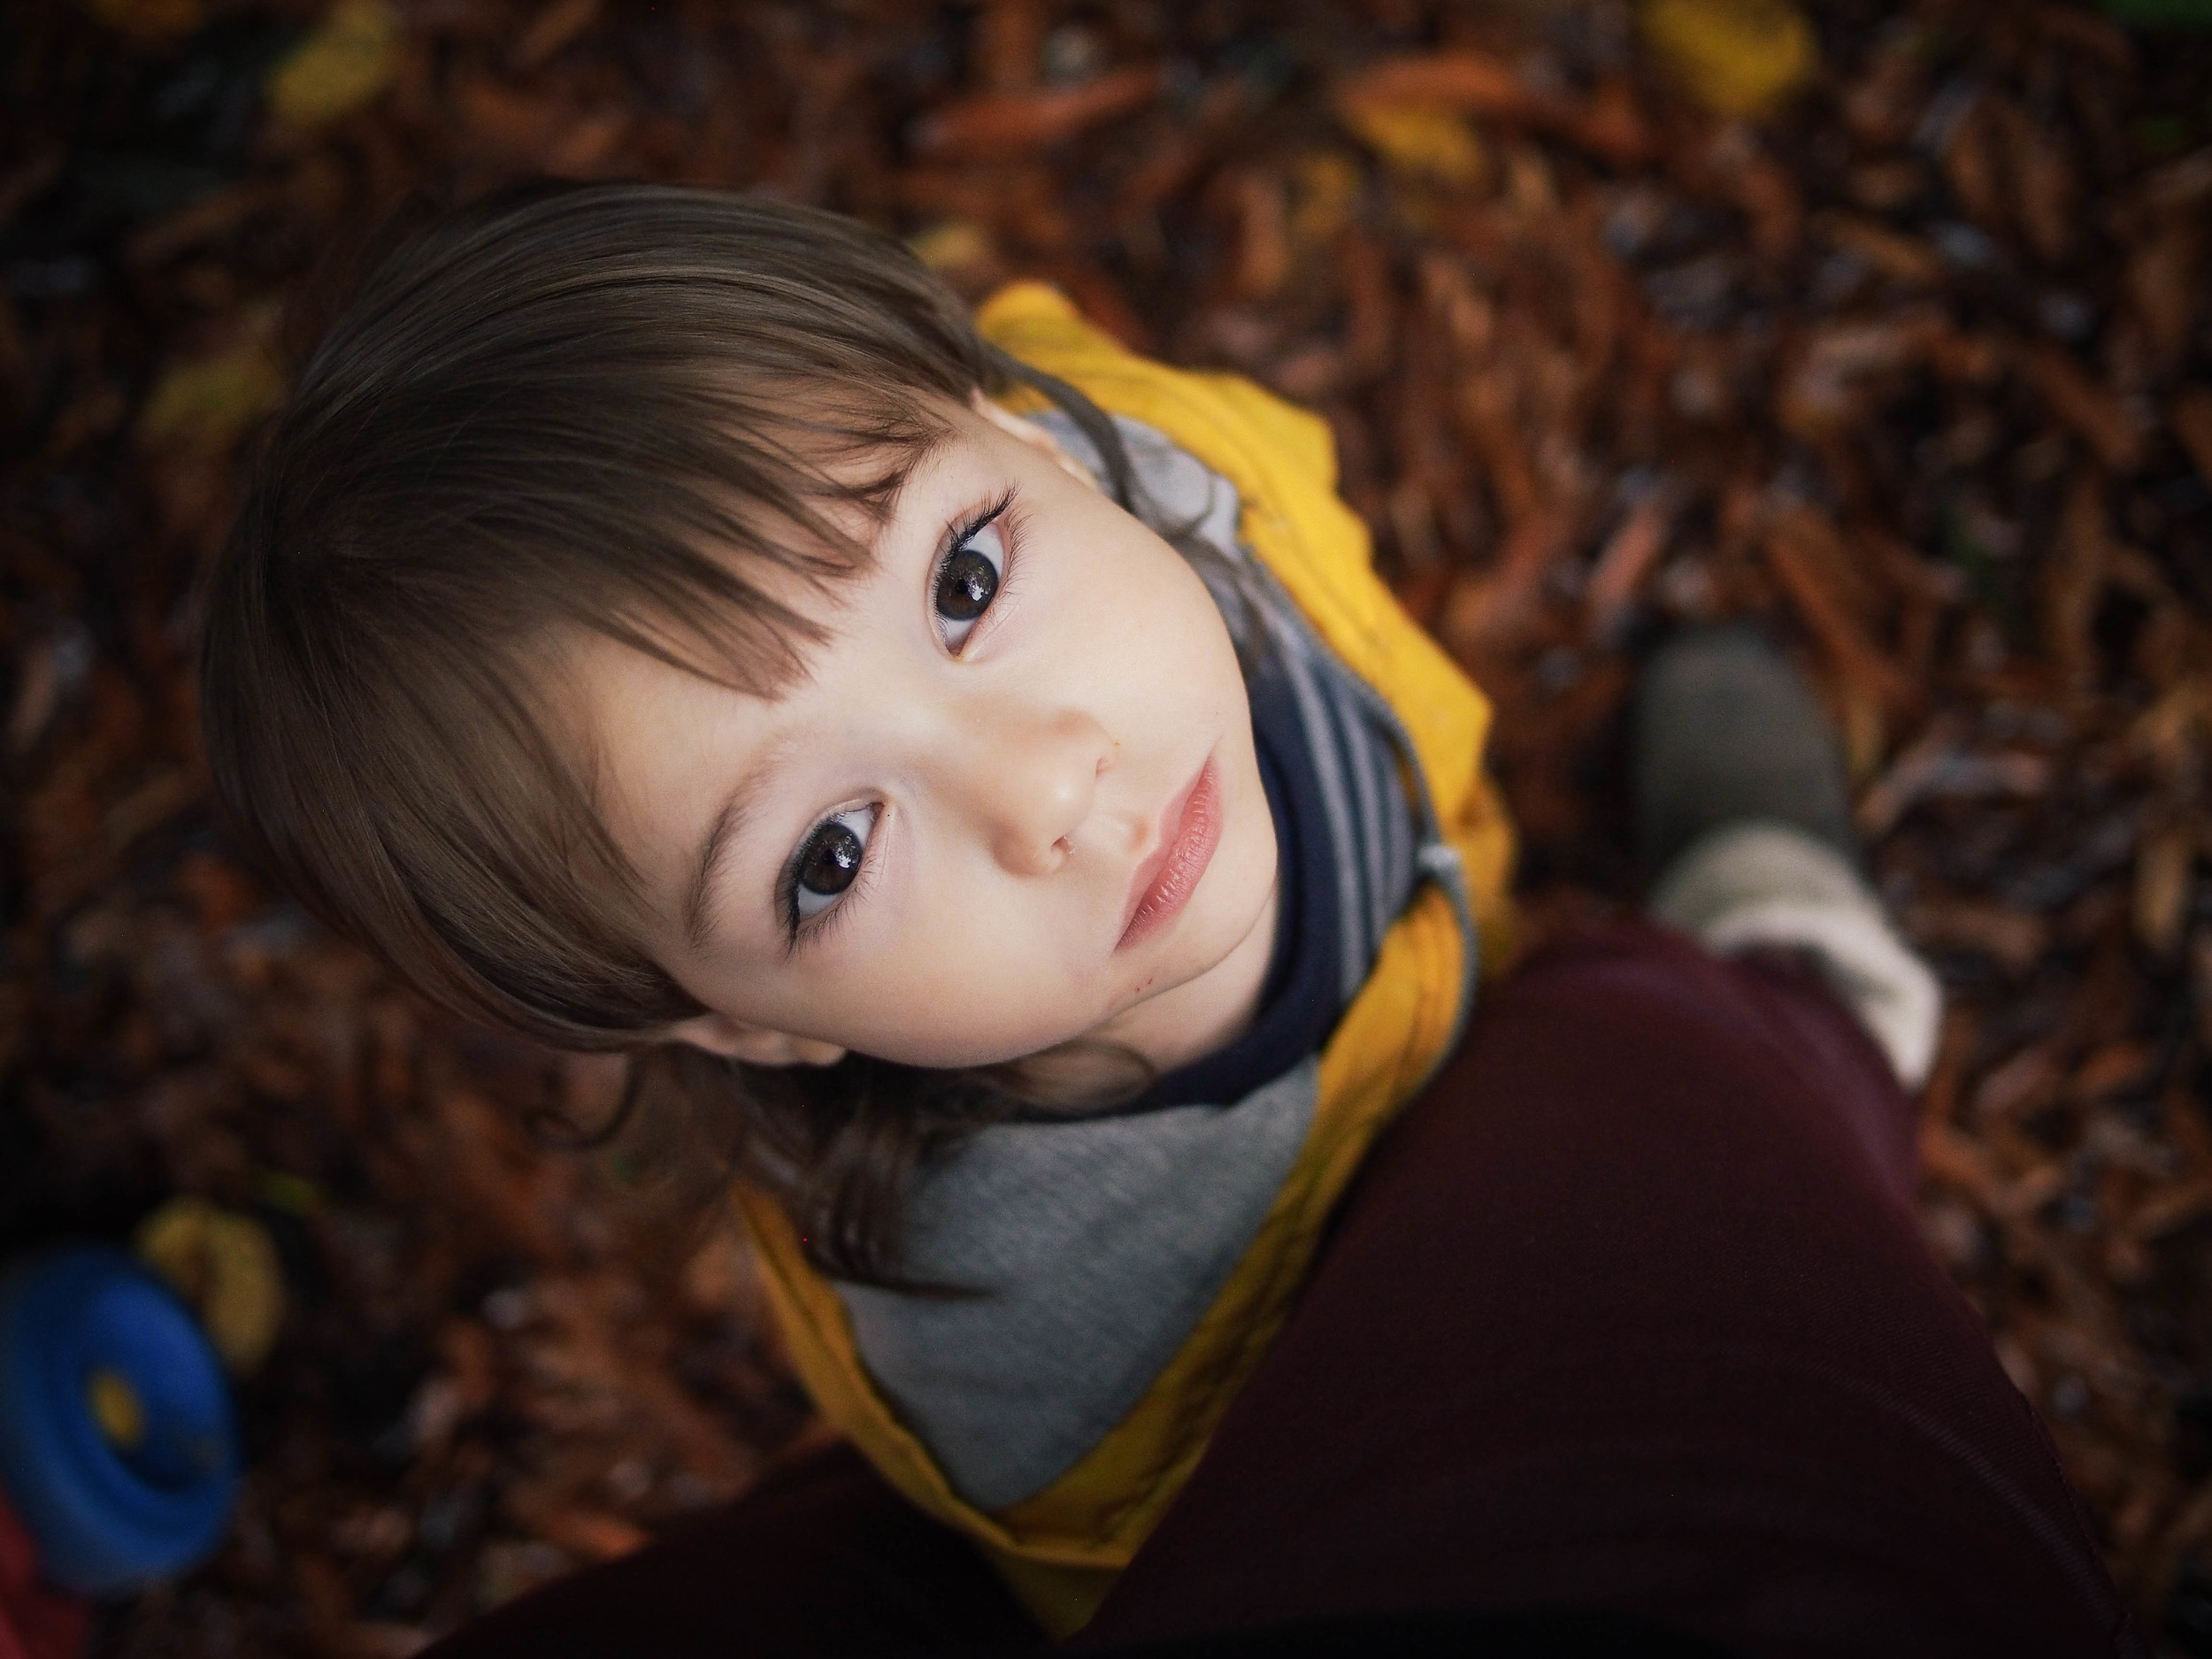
(1001,125)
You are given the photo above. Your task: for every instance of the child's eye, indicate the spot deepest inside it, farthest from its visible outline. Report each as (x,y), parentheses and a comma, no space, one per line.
(967,582)
(829,860)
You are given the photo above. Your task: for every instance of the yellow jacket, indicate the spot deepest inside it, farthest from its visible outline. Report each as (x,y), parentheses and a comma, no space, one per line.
(1062,1548)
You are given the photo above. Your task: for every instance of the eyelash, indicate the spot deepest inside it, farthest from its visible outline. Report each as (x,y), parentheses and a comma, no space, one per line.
(807,930)
(800,930)
(1001,512)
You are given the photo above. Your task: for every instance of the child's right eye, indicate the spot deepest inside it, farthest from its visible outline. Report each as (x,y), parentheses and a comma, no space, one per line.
(829,861)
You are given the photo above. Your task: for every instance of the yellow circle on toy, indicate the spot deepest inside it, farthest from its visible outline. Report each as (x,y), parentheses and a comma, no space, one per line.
(115,1407)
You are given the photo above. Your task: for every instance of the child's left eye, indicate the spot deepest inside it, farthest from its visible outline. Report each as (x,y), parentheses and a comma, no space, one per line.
(967,582)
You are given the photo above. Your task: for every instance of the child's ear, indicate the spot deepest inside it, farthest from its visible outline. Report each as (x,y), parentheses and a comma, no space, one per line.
(1035,436)
(755,1045)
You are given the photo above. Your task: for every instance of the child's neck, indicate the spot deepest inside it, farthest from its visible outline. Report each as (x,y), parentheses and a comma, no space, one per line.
(1200,1014)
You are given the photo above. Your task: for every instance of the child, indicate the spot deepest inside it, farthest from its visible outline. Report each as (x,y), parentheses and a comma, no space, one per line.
(974,765)
(663,621)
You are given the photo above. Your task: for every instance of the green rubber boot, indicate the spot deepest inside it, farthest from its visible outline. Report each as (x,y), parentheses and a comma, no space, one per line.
(1725,730)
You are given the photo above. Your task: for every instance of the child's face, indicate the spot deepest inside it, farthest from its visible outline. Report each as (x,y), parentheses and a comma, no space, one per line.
(1014,802)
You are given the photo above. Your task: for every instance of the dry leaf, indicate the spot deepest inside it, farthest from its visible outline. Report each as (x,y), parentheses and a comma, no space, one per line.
(1325,190)
(1420,140)
(2045,190)
(2016,939)
(953,244)
(1736,56)
(1006,124)
(1973,162)
(2191,418)
(2164,871)
(1262,262)
(557,24)
(203,406)
(151,20)
(1473,82)
(344,65)
(2101,419)
(2165,281)
(1869,676)
(2200,982)
(2075,575)
(1627,560)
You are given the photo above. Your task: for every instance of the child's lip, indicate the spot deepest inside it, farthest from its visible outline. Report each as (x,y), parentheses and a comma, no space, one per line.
(1190,829)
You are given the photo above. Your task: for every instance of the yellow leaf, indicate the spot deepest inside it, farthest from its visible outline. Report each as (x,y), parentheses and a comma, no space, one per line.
(1735,57)
(224,1265)
(1425,140)
(952,244)
(344,63)
(204,405)
(1325,189)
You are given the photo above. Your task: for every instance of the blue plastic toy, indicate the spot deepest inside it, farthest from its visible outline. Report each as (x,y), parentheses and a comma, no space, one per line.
(116,1445)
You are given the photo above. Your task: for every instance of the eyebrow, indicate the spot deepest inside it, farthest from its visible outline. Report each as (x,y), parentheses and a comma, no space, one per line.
(736,807)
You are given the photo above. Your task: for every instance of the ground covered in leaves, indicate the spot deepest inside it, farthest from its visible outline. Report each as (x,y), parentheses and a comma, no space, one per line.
(1916,368)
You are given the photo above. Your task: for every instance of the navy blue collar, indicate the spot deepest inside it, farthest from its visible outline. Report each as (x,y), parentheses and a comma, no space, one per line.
(1299,998)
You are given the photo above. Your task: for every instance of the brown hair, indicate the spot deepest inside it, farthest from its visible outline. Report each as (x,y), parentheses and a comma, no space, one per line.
(539,413)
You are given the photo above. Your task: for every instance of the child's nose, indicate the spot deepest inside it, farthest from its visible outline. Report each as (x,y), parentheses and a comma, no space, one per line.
(1035,785)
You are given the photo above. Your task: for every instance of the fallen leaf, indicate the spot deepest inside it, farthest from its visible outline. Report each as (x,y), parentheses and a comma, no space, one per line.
(1474,82)
(2163,870)
(2015,940)
(203,406)
(2045,189)
(1262,259)
(1973,162)
(557,25)
(1940,766)
(1627,560)
(2165,284)
(2169,1212)
(953,244)
(1006,124)
(343,64)
(1325,190)
(151,21)
(2200,982)
(1735,57)
(2099,418)
(1854,656)
(2074,577)
(1421,141)
(2117,1068)
(1610,124)
(2191,418)
(2022,1085)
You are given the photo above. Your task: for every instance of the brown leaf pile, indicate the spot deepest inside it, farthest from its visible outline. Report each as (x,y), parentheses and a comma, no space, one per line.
(1917,368)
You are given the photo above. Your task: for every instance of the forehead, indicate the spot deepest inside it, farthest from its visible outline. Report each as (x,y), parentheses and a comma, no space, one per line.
(657,749)
(639,696)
